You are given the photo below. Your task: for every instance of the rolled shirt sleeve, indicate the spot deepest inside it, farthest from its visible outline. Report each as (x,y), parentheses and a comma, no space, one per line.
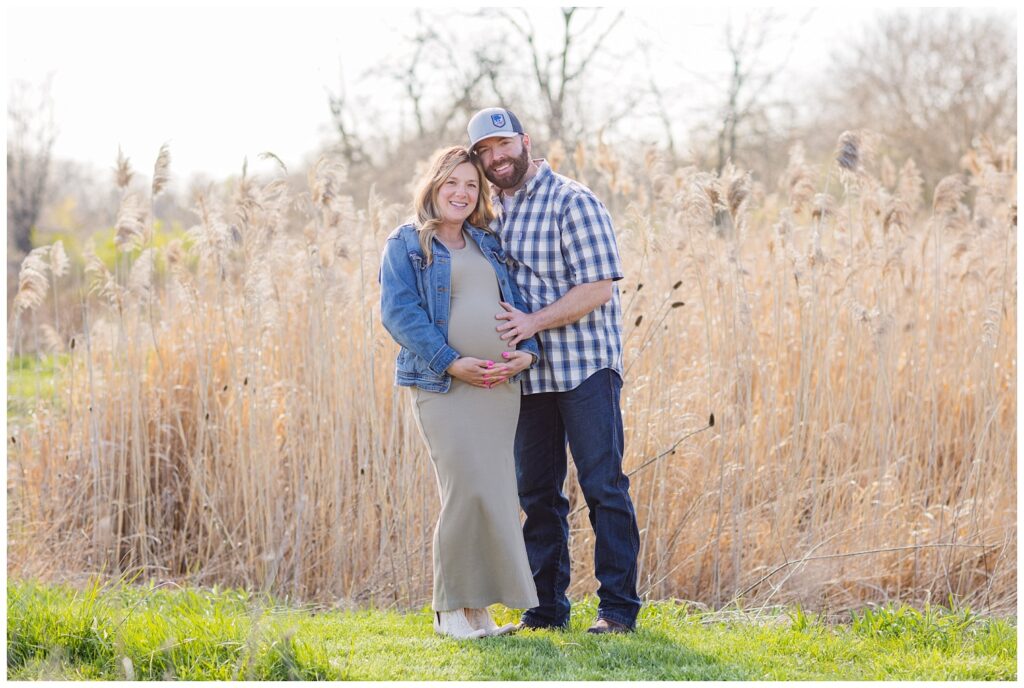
(588,240)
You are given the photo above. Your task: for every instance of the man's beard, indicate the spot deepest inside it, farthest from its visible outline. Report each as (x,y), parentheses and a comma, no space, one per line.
(513,176)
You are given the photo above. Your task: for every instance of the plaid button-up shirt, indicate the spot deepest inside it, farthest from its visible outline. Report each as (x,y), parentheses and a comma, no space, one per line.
(558,235)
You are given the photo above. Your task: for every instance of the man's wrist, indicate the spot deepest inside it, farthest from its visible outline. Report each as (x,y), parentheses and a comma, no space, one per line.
(536,321)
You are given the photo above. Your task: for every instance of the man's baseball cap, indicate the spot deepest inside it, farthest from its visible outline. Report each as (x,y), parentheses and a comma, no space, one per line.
(493,122)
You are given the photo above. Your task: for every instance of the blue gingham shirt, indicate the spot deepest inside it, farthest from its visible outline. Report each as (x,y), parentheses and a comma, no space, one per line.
(558,235)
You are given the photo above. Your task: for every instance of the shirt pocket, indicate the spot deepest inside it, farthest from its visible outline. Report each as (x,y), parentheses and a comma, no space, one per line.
(416,258)
(419,268)
(498,257)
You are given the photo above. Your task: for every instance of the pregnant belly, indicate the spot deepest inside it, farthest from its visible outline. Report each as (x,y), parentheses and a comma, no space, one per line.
(471,328)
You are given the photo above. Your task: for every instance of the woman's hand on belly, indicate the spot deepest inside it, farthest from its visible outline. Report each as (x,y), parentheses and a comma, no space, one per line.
(476,371)
(515,363)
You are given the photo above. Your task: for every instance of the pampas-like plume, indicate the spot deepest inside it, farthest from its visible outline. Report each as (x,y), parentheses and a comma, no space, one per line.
(796,180)
(698,201)
(737,191)
(32,280)
(123,171)
(801,191)
(267,155)
(259,292)
(896,216)
(711,187)
(872,198)
(375,211)
(948,193)
(848,151)
(59,262)
(974,163)
(993,321)
(246,201)
(276,200)
(783,229)
(131,222)
(911,185)
(824,206)
(211,238)
(181,279)
(888,173)
(175,253)
(325,181)
(140,279)
(160,169)
(96,272)
(101,281)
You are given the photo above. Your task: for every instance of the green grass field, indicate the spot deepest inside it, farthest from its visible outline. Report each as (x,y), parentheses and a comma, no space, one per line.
(121,631)
(28,378)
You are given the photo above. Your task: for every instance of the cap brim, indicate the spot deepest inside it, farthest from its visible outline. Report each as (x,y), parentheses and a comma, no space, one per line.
(495,135)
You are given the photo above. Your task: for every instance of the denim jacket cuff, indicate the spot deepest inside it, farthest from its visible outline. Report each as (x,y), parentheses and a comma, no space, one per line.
(530,346)
(444,357)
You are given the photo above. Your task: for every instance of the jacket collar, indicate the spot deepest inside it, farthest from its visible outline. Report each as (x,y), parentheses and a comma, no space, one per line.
(478,235)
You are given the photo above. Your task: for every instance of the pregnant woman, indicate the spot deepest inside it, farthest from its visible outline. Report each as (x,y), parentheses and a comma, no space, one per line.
(443,278)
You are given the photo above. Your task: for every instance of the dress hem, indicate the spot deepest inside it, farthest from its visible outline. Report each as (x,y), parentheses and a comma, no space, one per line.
(478,604)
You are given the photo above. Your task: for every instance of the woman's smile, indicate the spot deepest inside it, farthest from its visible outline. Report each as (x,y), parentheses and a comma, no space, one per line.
(459,194)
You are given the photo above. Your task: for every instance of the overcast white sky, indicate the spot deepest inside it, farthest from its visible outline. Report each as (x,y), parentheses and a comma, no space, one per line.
(222,83)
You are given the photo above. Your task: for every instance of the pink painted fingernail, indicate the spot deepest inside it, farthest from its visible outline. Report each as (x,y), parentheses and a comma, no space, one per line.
(505,354)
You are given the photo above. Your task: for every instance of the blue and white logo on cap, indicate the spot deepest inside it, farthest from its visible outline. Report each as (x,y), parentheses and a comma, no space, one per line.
(498,120)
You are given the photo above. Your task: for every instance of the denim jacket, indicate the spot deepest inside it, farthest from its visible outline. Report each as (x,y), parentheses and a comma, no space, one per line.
(415,299)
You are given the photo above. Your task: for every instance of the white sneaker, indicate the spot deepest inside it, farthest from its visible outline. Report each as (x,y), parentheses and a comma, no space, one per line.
(454,624)
(481,619)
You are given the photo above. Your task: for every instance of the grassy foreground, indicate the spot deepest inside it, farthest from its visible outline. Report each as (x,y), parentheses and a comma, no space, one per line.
(123,631)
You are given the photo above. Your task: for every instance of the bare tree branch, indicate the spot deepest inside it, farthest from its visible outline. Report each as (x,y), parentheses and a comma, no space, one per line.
(31,133)
(929,82)
(352,148)
(571,60)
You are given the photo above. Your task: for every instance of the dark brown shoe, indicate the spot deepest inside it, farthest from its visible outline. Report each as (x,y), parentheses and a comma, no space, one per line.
(609,626)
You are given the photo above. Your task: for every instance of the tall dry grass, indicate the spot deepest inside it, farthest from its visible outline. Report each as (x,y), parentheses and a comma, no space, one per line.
(227,412)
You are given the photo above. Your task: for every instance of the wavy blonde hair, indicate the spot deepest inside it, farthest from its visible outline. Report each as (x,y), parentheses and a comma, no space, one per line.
(428,217)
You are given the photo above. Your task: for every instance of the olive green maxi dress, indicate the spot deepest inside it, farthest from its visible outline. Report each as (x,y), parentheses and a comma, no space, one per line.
(479,554)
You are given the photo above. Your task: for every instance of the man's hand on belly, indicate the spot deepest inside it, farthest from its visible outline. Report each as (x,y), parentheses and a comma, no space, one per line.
(574,304)
(518,325)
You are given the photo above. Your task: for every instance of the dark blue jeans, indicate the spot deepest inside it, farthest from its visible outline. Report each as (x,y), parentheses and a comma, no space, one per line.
(589,418)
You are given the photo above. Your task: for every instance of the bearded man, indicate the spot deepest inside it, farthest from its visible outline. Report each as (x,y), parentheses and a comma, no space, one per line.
(560,246)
